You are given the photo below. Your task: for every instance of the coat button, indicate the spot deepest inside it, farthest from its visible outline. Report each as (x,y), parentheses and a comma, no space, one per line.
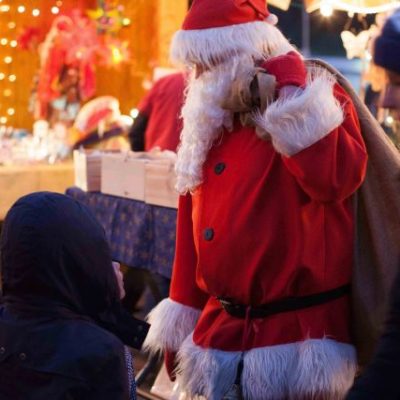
(2,350)
(208,234)
(219,168)
(22,356)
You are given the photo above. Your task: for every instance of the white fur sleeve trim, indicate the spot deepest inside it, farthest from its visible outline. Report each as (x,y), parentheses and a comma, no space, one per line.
(300,121)
(171,323)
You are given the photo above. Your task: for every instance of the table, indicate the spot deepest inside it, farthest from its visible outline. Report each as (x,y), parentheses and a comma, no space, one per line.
(19,180)
(140,234)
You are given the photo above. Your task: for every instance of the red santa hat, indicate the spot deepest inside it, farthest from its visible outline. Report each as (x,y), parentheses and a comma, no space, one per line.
(215,30)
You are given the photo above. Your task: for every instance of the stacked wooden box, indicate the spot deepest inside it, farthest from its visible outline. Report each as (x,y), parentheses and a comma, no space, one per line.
(144,176)
(87,166)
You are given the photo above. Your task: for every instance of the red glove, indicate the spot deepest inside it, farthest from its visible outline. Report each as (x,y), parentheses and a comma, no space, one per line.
(170,364)
(288,69)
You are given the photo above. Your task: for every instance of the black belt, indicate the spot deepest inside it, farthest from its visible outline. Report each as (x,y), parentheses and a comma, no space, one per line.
(284,305)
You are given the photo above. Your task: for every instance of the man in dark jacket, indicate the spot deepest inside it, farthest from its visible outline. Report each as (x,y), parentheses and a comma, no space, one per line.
(62,327)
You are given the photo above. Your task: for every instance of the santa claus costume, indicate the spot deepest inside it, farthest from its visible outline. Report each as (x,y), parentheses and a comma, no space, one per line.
(265,221)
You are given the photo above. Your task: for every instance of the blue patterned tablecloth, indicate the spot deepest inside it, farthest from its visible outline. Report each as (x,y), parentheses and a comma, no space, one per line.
(140,234)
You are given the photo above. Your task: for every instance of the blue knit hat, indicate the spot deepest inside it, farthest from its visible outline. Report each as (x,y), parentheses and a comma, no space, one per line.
(387,44)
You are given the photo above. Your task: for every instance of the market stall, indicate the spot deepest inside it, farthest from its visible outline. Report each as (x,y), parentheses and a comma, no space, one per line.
(71,75)
(19,180)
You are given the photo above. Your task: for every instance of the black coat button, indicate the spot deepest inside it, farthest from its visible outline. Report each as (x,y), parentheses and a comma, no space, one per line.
(22,356)
(208,234)
(219,168)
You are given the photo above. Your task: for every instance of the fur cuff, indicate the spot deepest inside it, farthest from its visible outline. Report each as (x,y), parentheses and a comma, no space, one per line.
(300,121)
(204,46)
(315,368)
(171,323)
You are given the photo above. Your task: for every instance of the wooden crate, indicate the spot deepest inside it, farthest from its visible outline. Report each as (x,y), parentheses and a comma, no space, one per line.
(87,169)
(160,182)
(123,174)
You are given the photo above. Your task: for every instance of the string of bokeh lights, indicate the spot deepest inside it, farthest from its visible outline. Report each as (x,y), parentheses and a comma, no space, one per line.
(8,40)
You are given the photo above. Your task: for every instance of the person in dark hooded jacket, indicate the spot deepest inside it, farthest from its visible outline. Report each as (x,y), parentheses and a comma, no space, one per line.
(62,326)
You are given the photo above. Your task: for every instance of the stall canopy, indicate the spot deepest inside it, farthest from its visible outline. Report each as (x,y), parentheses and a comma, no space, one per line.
(353,6)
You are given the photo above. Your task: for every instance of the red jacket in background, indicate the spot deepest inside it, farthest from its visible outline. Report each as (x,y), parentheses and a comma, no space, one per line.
(162,106)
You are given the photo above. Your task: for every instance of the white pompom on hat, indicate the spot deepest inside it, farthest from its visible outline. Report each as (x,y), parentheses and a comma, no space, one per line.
(215,30)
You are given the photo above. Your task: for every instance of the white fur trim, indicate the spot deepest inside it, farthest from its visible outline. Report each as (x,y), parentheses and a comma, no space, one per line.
(171,323)
(298,122)
(203,46)
(272,19)
(322,368)
(206,372)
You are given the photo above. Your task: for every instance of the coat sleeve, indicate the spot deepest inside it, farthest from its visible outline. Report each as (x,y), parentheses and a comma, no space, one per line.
(174,318)
(318,136)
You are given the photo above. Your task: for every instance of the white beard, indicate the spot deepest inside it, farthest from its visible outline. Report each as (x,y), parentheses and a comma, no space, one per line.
(204,119)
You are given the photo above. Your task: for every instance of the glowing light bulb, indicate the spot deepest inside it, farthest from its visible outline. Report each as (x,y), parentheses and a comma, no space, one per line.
(13,43)
(11,111)
(8,60)
(3,41)
(11,25)
(55,10)
(389,120)
(3,120)
(134,113)
(12,78)
(4,8)
(7,93)
(2,76)
(326,9)
(126,21)
(21,9)
(35,12)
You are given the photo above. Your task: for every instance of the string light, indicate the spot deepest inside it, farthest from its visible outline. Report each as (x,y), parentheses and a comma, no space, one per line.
(55,10)
(35,12)
(8,60)
(11,111)
(2,76)
(13,43)
(3,41)
(11,25)
(3,120)
(134,113)
(7,93)
(12,78)
(59,3)
(5,8)
(326,9)
(389,120)
(21,9)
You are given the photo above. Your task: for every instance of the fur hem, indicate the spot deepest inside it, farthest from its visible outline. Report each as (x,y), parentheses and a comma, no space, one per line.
(206,372)
(315,368)
(302,120)
(203,46)
(171,323)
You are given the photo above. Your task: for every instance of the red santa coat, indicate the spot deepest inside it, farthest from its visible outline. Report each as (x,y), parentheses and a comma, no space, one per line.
(162,106)
(271,220)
